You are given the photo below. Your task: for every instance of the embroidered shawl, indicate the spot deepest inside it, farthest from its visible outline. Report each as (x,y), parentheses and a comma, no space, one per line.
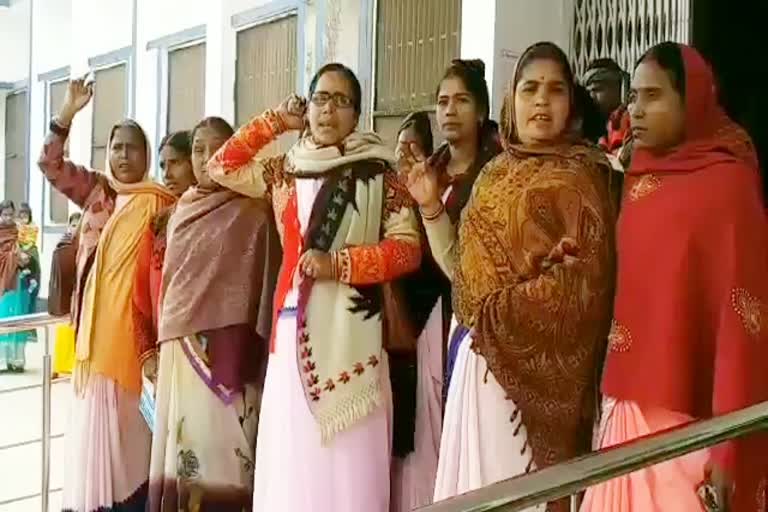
(340,345)
(211,282)
(534,282)
(692,287)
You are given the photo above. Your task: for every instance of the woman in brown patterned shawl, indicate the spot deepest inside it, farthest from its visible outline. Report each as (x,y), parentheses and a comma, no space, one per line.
(532,262)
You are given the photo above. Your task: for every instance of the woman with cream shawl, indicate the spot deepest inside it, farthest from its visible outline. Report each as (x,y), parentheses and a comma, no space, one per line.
(347,226)
(108,439)
(221,262)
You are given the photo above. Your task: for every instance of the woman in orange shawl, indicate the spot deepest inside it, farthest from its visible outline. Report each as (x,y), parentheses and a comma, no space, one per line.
(109,440)
(691,293)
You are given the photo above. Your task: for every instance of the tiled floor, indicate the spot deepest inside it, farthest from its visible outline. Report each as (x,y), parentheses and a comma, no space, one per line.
(20,432)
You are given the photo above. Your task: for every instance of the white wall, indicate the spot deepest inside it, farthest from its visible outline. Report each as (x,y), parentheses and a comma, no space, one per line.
(499,31)
(14,42)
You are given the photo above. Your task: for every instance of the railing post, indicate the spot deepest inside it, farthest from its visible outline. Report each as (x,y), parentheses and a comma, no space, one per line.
(575,503)
(46,445)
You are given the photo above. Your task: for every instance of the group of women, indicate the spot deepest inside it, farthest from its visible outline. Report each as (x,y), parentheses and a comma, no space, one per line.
(19,280)
(343,327)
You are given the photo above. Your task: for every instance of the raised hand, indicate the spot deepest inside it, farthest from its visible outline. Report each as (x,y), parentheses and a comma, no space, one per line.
(292,111)
(420,177)
(79,93)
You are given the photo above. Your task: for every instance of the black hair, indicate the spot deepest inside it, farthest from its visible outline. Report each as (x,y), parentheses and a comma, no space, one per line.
(669,57)
(216,123)
(472,74)
(593,124)
(76,215)
(181,141)
(607,64)
(7,204)
(420,123)
(349,76)
(24,207)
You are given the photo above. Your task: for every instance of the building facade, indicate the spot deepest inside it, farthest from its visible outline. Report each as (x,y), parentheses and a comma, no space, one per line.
(168,63)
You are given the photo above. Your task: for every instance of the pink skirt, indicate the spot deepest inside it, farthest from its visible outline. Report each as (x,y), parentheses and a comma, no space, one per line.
(667,487)
(295,472)
(413,478)
(108,450)
(480,424)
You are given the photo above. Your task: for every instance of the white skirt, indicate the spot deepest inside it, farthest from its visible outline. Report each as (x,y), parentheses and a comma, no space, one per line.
(484,439)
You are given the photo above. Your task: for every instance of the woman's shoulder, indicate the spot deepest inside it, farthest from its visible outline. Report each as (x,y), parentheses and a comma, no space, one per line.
(159,222)
(733,185)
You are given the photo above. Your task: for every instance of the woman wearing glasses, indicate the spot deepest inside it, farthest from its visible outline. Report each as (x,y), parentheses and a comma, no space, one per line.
(347,228)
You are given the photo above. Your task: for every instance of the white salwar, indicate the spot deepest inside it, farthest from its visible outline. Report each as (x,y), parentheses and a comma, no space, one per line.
(484,439)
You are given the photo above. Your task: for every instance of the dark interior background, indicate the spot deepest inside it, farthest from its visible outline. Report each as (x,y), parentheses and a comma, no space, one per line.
(733,35)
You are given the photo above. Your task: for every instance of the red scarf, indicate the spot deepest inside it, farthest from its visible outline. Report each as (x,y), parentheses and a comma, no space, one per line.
(691,311)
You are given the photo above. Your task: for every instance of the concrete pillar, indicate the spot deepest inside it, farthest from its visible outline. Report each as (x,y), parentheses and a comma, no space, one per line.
(499,31)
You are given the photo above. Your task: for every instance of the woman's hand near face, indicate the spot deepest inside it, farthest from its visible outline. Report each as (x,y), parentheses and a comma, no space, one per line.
(420,177)
(292,111)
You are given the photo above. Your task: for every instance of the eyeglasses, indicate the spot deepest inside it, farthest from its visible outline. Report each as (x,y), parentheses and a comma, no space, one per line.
(340,100)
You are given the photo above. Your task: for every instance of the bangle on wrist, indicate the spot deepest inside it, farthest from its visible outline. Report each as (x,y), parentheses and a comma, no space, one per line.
(59,128)
(433,215)
(275,121)
(334,272)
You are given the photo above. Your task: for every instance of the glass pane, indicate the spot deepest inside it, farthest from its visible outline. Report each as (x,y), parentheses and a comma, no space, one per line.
(15,147)
(266,72)
(58,205)
(109,107)
(186,87)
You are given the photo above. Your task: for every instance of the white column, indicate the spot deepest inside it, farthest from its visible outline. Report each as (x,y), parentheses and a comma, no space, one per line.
(499,31)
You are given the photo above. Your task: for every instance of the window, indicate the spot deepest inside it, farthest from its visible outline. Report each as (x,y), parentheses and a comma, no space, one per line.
(109,107)
(15,147)
(415,41)
(58,204)
(186,87)
(267,67)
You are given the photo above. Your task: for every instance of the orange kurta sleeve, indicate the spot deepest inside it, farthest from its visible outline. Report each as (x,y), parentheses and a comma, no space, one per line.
(236,165)
(399,251)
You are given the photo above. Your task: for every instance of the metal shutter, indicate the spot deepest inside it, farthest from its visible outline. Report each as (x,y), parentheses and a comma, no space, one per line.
(625,29)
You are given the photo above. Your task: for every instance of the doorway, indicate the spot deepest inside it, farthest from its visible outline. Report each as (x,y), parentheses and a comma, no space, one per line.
(733,37)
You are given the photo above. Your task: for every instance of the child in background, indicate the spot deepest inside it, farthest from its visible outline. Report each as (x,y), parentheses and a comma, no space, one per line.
(28,231)
(64,348)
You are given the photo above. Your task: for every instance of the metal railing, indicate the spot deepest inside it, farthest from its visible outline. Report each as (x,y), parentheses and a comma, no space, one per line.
(567,479)
(23,323)
(516,494)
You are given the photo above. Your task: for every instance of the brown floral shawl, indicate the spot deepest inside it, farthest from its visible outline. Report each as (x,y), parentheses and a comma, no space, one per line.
(535,282)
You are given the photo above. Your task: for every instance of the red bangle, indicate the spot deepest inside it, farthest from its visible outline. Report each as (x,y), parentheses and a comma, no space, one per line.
(275,121)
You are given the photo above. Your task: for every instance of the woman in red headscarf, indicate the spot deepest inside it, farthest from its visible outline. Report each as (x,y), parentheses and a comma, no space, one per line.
(690,333)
